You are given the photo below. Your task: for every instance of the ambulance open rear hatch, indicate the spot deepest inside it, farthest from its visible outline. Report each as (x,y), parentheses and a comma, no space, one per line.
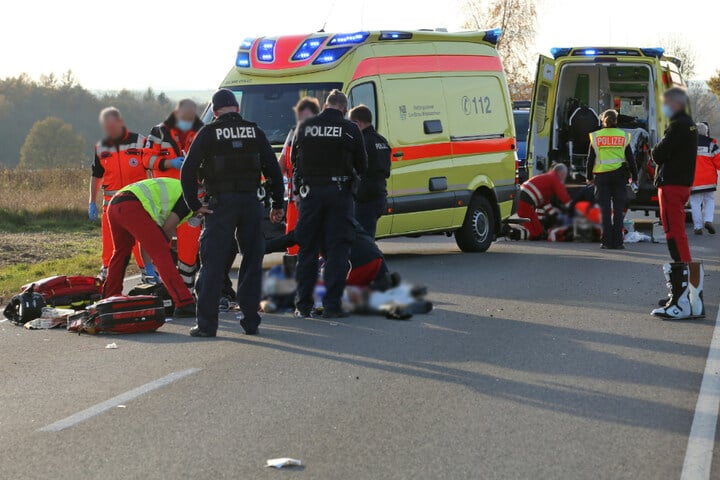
(577,84)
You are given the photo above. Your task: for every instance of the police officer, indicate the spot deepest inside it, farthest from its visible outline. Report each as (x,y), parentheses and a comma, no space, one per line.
(327,153)
(610,165)
(372,192)
(228,156)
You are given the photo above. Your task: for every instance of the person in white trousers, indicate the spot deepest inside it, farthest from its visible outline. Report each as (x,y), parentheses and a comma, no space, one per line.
(702,194)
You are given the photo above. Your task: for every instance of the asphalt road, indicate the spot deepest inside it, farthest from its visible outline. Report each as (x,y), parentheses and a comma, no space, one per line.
(539,361)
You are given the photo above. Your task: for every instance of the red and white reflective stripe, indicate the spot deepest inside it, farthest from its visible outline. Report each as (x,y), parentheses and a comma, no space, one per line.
(426,64)
(534,193)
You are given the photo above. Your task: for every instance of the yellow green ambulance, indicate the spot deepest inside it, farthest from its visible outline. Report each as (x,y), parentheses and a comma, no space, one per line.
(441,99)
(579,82)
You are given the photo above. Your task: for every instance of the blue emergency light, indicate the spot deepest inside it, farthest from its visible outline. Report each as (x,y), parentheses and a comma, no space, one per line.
(653,52)
(242,60)
(330,55)
(349,38)
(590,51)
(493,36)
(396,35)
(247,43)
(266,51)
(559,52)
(308,48)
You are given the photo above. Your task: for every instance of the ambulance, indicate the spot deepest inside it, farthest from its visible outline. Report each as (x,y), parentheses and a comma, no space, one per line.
(577,84)
(441,99)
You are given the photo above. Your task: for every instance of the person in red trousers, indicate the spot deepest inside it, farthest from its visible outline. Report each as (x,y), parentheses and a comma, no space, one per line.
(538,192)
(675,156)
(148,212)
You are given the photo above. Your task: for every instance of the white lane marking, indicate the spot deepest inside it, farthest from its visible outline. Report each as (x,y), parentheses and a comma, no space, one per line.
(115,401)
(699,453)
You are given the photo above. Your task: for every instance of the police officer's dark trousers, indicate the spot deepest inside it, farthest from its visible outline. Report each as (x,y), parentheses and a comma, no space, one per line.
(368,213)
(325,223)
(612,198)
(236,217)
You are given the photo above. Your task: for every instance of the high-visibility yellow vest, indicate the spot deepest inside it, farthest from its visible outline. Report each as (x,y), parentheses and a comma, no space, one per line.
(158,196)
(609,145)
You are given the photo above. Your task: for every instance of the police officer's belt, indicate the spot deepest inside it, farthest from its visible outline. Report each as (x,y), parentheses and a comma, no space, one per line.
(325,180)
(232,186)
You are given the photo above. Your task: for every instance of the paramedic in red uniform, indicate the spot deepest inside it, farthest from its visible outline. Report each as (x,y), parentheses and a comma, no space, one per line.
(307,107)
(675,157)
(148,211)
(165,151)
(538,192)
(118,162)
(702,193)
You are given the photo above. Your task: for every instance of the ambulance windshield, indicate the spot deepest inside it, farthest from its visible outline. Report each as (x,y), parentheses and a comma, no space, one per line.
(271,106)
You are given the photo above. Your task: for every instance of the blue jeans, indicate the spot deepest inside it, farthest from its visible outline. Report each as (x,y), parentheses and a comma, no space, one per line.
(325,224)
(236,221)
(368,213)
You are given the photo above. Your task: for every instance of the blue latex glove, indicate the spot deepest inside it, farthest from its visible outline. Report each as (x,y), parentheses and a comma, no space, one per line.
(150,274)
(176,163)
(92,212)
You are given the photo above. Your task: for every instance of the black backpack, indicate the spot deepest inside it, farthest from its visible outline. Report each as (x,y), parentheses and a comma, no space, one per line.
(25,307)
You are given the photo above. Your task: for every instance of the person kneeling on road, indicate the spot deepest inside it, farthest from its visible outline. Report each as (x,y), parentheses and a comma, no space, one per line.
(539,192)
(134,214)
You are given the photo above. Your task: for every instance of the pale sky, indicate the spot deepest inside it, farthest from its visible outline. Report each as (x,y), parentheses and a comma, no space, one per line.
(190,45)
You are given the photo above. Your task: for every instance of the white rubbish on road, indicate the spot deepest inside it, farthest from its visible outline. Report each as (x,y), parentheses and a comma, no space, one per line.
(283,462)
(637,237)
(111,345)
(699,453)
(115,401)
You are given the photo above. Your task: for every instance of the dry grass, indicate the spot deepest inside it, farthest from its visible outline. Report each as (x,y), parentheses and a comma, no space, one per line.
(44,229)
(44,190)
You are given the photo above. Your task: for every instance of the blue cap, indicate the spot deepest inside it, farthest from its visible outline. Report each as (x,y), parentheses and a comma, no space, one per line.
(224,98)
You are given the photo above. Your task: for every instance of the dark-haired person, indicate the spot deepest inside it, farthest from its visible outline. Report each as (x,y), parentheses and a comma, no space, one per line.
(372,192)
(675,156)
(610,166)
(328,151)
(230,155)
(306,107)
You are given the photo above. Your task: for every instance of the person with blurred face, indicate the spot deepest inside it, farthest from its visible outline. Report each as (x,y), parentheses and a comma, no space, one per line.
(675,157)
(118,162)
(165,152)
(306,108)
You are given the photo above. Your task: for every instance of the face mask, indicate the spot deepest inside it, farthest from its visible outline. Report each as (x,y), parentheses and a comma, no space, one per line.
(184,125)
(666,111)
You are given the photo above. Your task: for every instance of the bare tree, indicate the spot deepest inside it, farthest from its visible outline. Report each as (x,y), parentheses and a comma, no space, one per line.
(518,20)
(679,48)
(704,105)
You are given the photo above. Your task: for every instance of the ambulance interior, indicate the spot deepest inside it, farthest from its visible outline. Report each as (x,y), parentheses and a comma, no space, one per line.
(584,92)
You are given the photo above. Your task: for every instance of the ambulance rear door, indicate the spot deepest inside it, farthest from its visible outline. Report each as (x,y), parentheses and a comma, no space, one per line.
(541,116)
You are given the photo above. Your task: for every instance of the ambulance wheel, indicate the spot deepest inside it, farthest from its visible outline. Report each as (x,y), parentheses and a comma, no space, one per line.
(478,230)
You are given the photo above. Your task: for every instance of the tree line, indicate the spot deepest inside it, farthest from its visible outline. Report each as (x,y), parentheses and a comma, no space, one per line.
(53,122)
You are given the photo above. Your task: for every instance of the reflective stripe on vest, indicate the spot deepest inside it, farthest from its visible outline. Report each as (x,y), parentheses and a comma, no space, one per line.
(609,145)
(157,196)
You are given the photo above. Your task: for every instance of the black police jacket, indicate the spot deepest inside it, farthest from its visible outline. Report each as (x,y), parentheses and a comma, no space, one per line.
(676,153)
(327,146)
(229,155)
(373,183)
